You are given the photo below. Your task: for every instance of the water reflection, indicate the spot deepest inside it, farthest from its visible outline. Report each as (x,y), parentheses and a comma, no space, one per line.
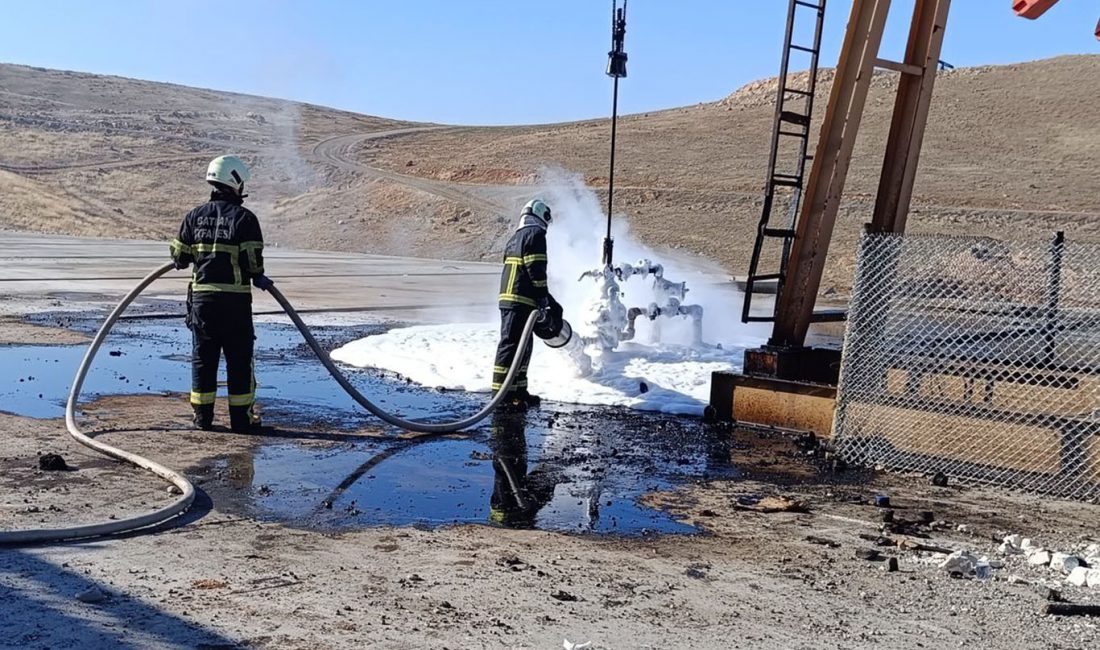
(518,494)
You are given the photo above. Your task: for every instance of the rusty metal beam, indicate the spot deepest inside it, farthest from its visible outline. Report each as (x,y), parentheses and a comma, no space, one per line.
(770,402)
(858,55)
(899,166)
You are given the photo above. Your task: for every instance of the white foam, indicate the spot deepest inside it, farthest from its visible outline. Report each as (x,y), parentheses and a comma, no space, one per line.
(459,357)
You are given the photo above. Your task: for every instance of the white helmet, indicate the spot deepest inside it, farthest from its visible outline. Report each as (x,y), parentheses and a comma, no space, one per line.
(537,208)
(229,171)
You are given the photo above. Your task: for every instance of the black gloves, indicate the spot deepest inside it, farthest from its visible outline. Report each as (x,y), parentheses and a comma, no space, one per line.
(262,282)
(549,305)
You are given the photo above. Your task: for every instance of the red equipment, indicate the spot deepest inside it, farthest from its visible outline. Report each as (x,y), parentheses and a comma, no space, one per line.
(1032,9)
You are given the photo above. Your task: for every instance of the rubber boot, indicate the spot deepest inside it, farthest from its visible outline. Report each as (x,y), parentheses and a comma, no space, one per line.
(243,419)
(203,417)
(527,399)
(514,403)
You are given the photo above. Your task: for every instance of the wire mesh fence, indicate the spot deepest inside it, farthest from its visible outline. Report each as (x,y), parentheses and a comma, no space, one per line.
(976,358)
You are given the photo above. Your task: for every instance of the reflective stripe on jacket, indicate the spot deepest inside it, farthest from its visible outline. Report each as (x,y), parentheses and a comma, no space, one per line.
(223,242)
(523,280)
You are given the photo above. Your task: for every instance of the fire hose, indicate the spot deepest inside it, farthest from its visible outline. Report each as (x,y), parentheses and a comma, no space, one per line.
(186,489)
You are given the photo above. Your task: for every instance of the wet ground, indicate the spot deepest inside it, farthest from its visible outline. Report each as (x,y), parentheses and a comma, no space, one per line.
(287,545)
(547,470)
(153,356)
(559,468)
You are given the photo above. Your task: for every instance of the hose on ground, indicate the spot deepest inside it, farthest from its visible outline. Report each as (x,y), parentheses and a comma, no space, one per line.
(410,425)
(187,490)
(120,525)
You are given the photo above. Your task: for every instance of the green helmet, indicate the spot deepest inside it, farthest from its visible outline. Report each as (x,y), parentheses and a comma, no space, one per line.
(538,208)
(229,171)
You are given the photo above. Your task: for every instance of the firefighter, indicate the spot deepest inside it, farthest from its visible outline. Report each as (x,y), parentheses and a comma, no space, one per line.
(523,289)
(222,240)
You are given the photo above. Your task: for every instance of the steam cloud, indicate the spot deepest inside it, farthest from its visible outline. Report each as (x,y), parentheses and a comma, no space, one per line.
(574,241)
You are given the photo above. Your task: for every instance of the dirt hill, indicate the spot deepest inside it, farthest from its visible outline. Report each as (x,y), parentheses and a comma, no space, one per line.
(1011,151)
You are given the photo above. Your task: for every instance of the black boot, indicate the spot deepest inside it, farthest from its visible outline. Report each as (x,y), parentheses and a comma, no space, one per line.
(513,403)
(243,419)
(527,399)
(203,417)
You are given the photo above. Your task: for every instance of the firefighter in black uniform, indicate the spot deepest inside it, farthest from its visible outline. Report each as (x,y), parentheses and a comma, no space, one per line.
(222,239)
(523,289)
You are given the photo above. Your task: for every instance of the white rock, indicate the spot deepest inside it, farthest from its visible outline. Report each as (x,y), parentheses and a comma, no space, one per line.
(1064,562)
(1092,578)
(963,528)
(1092,550)
(1078,577)
(962,562)
(982,570)
(1038,557)
(1011,545)
(1027,545)
(1017,580)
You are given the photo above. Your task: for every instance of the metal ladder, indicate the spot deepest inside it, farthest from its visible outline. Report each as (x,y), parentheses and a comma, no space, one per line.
(788,124)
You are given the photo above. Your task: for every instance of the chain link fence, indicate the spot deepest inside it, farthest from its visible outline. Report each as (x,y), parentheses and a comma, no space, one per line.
(977,358)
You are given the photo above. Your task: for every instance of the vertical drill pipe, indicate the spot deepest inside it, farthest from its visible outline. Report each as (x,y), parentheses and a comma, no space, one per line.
(608,243)
(616,67)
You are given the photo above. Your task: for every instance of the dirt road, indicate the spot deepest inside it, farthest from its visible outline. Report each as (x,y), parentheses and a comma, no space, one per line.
(339,151)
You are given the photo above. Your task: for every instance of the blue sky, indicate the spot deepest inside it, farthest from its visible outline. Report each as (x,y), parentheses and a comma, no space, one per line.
(482,61)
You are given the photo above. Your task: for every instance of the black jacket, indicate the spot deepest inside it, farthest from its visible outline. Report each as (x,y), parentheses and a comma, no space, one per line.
(523,280)
(222,239)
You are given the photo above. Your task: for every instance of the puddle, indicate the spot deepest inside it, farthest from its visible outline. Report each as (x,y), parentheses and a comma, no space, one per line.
(141,357)
(35,379)
(558,468)
(569,470)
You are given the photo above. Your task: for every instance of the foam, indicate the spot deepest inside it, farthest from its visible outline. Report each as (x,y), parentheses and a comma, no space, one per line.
(460,357)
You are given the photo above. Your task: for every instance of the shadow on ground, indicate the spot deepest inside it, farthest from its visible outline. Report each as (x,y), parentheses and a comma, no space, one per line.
(39,608)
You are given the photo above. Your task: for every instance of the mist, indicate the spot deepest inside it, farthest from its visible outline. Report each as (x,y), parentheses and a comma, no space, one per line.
(575,241)
(279,169)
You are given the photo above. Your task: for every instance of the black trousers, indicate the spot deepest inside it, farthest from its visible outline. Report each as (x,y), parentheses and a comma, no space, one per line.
(222,324)
(511,330)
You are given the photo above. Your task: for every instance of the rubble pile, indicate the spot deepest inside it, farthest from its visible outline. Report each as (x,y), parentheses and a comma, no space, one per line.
(1080,567)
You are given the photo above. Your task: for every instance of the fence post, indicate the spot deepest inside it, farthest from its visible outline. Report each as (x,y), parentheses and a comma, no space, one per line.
(1054,290)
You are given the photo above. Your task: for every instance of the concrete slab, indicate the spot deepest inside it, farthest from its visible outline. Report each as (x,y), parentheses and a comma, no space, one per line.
(53,272)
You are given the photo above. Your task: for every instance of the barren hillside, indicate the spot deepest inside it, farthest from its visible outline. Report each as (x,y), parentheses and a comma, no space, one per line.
(1011,151)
